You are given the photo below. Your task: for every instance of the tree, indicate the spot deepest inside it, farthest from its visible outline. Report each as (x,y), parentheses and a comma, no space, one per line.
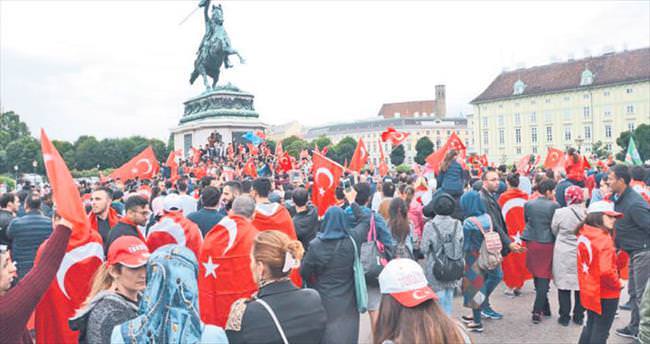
(321,142)
(11,128)
(344,150)
(86,153)
(600,150)
(23,152)
(271,144)
(397,155)
(423,148)
(641,138)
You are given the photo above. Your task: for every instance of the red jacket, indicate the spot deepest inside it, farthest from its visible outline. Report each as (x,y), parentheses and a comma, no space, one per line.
(603,254)
(574,170)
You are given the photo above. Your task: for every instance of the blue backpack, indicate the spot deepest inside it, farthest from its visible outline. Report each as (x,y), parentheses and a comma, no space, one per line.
(169,308)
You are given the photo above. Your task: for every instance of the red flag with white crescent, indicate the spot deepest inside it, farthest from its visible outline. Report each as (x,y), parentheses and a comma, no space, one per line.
(174,228)
(83,256)
(453,142)
(395,137)
(224,268)
(144,166)
(326,178)
(383,166)
(284,162)
(554,159)
(278,149)
(588,273)
(360,157)
(250,168)
(173,165)
(512,203)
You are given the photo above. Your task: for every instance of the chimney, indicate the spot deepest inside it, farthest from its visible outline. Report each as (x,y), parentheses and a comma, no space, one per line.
(441,105)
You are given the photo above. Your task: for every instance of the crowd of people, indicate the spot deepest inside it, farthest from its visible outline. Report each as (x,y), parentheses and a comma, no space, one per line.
(215,250)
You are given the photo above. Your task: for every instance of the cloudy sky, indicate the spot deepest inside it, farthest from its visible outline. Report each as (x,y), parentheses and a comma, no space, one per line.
(117,68)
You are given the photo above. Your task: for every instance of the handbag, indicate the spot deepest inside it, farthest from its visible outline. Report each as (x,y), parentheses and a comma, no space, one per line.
(373,254)
(360,289)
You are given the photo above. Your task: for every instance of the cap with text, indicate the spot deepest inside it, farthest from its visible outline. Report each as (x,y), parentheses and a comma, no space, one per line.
(129,251)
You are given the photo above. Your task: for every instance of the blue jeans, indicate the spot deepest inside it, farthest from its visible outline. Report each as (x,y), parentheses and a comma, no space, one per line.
(493,279)
(446,299)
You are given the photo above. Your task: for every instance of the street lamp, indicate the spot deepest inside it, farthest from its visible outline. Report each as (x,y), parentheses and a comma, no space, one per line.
(34,164)
(579,140)
(16,171)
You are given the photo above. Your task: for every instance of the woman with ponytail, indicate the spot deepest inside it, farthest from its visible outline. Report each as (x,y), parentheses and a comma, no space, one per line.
(279,312)
(115,291)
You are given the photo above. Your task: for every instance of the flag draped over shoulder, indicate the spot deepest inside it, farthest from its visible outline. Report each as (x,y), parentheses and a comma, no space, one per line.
(512,203)
(83,256)
(173,228)
(144,166)
(588,274)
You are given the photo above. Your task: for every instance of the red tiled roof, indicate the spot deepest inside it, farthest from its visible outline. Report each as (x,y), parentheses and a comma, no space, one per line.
(407,109)
(613,68)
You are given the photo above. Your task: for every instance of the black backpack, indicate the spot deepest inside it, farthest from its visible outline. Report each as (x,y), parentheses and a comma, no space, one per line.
(449,264)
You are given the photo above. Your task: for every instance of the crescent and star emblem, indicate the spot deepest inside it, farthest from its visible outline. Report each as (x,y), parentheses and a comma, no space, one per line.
(420,294)
(91,249)
(583,240)
(149,165)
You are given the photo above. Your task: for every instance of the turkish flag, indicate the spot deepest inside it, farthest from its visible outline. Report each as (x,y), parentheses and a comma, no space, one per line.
(231,152)
(144,165)
(196,155)
(274,216)
(383,166)
(360,157)
(453,142)
(250,168)
(483,160)
(585,163)
(260,134)
(173,165)
(174,228)
(554,159)
(326,178)
(588,274)
(523,166)
(224,268)
(278,149)
(512,203)
(252,150)
(394,136)
(284,162)
(84,254)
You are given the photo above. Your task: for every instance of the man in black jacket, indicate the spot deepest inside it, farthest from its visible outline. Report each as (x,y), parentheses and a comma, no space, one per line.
(306,218)
(137,213)
(632,236)
(8,207)
(488,191)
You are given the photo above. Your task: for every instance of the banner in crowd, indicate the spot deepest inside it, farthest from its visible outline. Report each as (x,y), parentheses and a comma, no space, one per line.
(632,156)
(395,137)
(327,174)
(359,158)
(144,166)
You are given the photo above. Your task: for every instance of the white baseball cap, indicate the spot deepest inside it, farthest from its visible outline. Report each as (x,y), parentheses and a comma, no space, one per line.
(172,202)
(404,280)
(604,207)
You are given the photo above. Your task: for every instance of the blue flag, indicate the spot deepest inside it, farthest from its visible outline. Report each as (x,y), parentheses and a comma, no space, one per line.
(254,139)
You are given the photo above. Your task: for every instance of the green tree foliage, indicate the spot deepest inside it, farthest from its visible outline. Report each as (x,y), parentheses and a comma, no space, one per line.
(641,138)
(294,145)
(23,152)
(343,150)
(423,148)
(271,144)
(397,155)
(600,150)
(11,128)
(321,142)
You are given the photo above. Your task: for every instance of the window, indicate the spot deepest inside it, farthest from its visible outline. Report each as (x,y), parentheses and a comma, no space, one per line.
(567,115)
(587,132)
(517,119)
(547,100)
(629,109)
(608,131)
(586,111)
(607,111)
(606,94)
(516,104)
(533,117)
(448,132)
(629,90)
(585,96)
(548,117)
(485,137)
(428,132)
(518,150)
(485,123)
(567,98)
(630,126)
(484,120)
(533,135)
(567,134)
(587,78)
(500,120)
(500,106)
(518,88)
(534,149)
(549,134)
(609,147)
(518,135)
(532,102)
(502,137)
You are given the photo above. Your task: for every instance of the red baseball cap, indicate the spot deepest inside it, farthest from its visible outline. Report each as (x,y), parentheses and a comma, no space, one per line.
(129,251)
(404,280)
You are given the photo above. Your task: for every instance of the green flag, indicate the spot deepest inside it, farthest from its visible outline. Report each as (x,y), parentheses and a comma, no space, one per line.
(632,156)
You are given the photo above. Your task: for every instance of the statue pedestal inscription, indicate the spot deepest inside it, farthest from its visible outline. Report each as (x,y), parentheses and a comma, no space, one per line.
(226,111)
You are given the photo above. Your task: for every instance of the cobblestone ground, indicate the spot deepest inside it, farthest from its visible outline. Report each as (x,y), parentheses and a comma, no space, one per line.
(516,325)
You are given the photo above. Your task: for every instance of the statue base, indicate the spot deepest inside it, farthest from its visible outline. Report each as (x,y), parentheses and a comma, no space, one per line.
(226,111)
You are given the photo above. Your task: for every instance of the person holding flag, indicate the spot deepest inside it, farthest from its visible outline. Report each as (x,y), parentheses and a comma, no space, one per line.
(600,285)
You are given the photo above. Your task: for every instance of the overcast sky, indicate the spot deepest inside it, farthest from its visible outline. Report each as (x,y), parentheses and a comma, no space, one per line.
(118,68)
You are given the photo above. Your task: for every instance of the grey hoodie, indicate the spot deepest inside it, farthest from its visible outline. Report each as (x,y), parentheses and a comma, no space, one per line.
(106,310)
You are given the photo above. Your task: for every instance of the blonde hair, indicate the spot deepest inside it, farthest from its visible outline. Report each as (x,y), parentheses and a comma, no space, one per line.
(271,247)
(102,280)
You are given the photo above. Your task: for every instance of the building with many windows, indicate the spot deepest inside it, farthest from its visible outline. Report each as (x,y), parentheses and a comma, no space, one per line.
(418,118)
(573,103)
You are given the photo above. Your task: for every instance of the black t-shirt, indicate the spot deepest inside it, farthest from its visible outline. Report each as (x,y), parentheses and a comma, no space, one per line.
(104,227)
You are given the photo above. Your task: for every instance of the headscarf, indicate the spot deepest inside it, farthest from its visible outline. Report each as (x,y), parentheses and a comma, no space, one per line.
(574,195)
(333,225)
(471,204)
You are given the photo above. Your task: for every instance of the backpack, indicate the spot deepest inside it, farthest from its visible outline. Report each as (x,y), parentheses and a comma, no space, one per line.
(489,257)
(448,262)
(169,308)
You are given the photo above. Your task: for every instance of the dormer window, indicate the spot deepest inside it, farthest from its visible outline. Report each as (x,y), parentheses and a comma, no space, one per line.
(519,87)
(587,78)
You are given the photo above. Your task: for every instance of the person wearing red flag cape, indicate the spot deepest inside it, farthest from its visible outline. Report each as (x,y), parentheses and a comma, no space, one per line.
(225,263)
(273,216)
(102,216)
(574,165)
(512,203)
(600,285)
(174,228)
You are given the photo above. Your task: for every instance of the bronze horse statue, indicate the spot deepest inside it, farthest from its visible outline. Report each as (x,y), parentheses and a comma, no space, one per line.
(214,49)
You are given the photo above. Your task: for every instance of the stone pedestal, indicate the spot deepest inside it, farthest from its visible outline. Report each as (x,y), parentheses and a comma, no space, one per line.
(227,111)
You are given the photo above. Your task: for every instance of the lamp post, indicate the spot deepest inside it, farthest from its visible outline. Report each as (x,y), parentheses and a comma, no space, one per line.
(579,140)
(34,164)
(16,171)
